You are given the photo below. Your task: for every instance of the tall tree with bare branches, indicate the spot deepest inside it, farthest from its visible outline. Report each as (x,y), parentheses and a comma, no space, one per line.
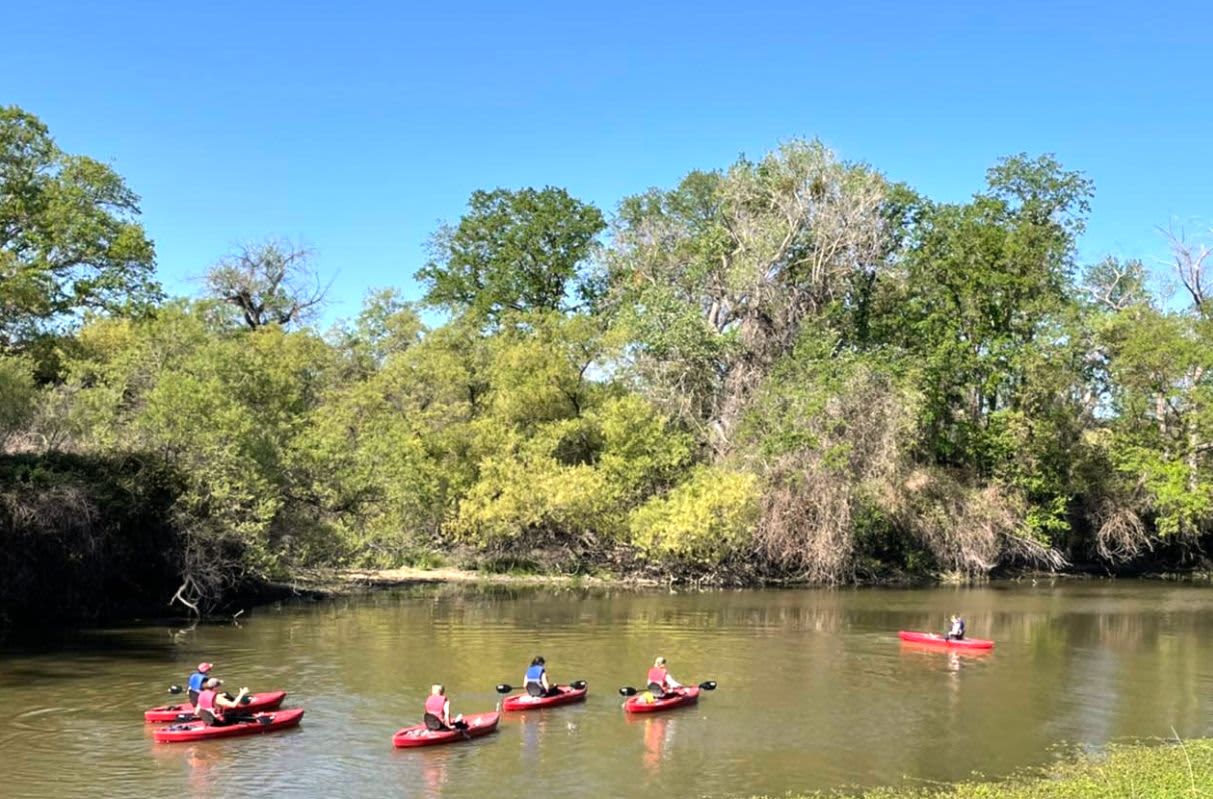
(716,278)
(1191,262)
(269,283)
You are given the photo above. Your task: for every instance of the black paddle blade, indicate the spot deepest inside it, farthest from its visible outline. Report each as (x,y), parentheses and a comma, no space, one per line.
(627,690)
(174,689)
(710,685)
(504,689)
(577,686)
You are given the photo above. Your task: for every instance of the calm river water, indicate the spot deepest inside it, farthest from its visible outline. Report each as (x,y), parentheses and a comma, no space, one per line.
(815,691)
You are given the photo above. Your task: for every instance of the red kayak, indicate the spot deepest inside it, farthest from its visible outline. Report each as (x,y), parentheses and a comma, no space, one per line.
(568,694)
(939,640)
(677,698)
(198,731)
(417,735)
(257,703)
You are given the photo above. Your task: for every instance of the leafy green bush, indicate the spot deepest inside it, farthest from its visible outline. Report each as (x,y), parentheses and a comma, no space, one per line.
(705,519)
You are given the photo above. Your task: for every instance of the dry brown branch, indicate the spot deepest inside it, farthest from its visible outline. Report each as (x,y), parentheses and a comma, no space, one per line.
(1121,535)
(809,508)
(968,530)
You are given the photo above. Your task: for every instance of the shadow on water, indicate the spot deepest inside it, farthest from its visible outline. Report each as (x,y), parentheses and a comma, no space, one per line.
(68,654)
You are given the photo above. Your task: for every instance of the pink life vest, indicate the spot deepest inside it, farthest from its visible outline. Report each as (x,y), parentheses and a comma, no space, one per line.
(658,675)
(436,704)
(206,701)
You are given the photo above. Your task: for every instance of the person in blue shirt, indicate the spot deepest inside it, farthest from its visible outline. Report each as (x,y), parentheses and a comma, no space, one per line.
(957,631)
(197,679)
(536,679)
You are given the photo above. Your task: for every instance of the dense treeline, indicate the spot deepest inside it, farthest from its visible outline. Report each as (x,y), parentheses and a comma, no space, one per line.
(789,367)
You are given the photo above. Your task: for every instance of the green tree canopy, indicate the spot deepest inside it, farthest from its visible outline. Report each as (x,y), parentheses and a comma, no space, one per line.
(69,241)
(524,250)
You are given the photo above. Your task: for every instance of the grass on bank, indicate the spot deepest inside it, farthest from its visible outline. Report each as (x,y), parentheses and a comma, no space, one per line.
(1173,771)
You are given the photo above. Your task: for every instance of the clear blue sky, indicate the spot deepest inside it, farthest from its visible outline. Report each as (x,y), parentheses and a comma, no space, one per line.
(357,126)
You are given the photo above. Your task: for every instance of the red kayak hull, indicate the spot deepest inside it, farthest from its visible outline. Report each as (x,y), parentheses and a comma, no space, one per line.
(567,695)
(417,735)
(940,641)
(197,731)
(683,696)
(258,703)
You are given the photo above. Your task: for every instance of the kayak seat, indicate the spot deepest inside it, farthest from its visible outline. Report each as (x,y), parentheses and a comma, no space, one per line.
(433,723)
(534,689)
(656,690)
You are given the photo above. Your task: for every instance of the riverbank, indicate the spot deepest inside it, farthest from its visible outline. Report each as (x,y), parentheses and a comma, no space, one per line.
(1174,770)
(341,582)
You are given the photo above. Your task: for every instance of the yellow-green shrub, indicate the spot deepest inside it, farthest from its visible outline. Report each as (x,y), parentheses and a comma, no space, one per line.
(704,520)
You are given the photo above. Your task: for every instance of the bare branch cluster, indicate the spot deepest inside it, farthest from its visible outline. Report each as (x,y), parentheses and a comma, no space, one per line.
(812,500)
(1121,534)
(968,529)
(1191,260)
(271,282)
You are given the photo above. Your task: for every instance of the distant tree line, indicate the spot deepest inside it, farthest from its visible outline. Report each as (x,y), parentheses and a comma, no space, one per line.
(787,368)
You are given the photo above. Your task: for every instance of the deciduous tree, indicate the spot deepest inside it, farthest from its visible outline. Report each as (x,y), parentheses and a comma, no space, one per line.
(69,239)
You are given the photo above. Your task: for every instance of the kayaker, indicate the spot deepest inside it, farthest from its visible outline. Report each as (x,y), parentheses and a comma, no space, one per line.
(957,631)
(536,679)
(660,680)
(196,680)
(438,711)
(212,704)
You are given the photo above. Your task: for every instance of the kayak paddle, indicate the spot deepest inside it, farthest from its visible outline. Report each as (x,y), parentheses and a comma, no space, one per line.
(174,689)
(707,685)
(505,689)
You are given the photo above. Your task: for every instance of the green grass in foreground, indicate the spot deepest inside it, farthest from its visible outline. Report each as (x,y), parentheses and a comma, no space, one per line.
(1182,771)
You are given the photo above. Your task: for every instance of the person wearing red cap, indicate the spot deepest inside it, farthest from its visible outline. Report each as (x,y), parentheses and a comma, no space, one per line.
(196,681)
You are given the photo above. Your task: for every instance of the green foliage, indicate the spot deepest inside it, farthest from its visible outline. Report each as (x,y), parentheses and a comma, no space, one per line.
(1160,370)
(221,407)
(536,497)
(1181,499)
(704,520)
(642,452)
(978,292)
(17,395)
(518,251)
(68,239)
(538,369)
(386,325)
(1170,771)
(787,366)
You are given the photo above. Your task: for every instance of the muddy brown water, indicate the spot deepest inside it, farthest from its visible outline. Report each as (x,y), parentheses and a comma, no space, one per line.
(815,691)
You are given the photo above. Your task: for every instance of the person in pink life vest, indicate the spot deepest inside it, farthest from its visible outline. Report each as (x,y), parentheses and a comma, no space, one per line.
(660,682)
(212,704)
(438,711)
